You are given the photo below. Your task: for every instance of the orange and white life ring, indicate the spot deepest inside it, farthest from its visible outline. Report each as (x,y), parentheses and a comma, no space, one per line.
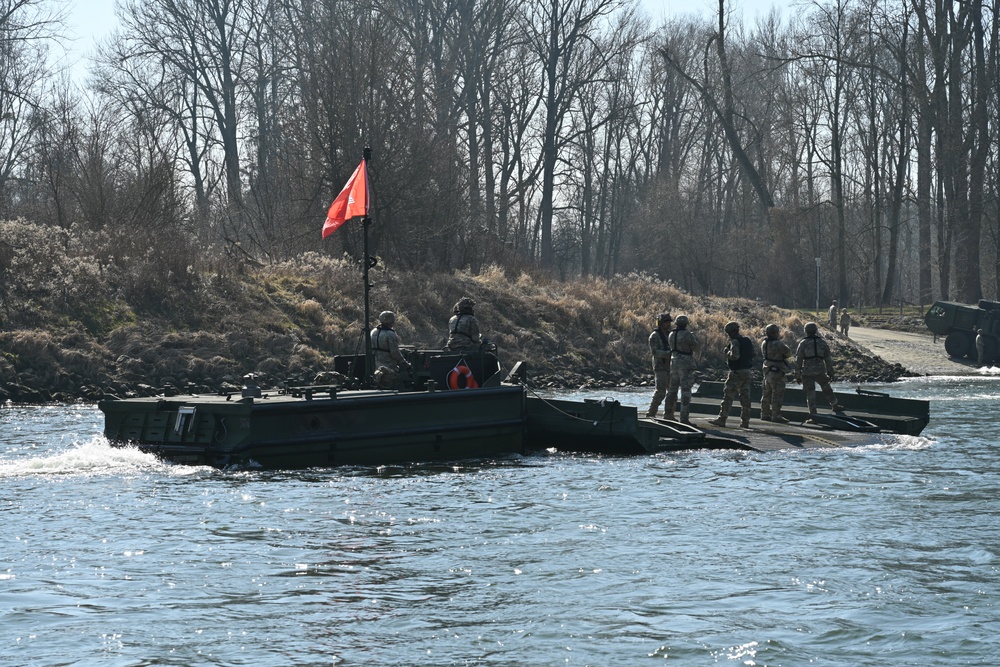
(458,372)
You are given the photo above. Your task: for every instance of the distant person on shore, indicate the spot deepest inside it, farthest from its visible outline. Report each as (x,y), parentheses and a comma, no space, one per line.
(463,327)
(814,365)
(739,356)
(980,348)
(385,345)
(845,323)
(660,349)
(683,345)
(833,315)
(776,366)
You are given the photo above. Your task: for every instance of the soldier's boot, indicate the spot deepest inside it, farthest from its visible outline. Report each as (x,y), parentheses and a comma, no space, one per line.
(654,407)
(837,407)
(685,415)
(778,419)
(723,414)
(744,421)
(812,417)
(669,415)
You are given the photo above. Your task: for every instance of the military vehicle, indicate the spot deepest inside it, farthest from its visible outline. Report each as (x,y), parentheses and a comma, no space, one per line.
(958,322)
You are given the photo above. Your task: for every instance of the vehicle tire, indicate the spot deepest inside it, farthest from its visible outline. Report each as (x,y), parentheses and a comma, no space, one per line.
(958,344)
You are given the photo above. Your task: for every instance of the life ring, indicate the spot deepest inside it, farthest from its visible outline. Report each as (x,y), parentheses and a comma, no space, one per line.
(462,371)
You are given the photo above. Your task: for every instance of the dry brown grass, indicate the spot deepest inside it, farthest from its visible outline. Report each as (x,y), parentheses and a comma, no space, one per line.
(291,318)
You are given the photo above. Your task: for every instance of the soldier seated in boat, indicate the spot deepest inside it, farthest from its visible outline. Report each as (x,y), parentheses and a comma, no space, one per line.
(463,328)
(385,345)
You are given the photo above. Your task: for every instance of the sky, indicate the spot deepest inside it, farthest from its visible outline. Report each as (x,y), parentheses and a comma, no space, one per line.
(89,21)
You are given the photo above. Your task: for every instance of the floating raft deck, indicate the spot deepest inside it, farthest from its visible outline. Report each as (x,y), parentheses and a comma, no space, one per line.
(325,426)
(608,427)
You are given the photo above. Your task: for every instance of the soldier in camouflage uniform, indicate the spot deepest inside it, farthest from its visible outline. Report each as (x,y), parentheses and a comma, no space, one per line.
(776,355)
(463,327)
(660,349)
(814,365)
(683,345)
(385,345)
(739,356)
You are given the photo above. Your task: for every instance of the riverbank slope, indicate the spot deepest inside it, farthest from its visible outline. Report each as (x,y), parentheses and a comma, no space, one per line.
(77,326)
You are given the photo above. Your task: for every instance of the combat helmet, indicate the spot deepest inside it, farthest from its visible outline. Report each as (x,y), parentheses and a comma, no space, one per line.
(772,331)
(663,317)
(464,305)
(732,328)
(811,328)
(681,321)
(386,317)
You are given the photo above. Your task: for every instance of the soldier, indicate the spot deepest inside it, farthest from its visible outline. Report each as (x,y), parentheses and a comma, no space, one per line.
(463,327)
(739,356)
(385,344)
(814,365)
(776,355)
(845,323)
(833,315)
(660,350)
(683,345)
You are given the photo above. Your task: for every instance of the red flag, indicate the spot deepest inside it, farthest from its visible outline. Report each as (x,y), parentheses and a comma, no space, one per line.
(352,201)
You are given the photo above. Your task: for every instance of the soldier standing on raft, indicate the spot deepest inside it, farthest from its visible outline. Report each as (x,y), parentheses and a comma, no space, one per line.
(739,356)
(683,345)
(385,344)
(814,365)
(463,327)
(776,355)
(660,350)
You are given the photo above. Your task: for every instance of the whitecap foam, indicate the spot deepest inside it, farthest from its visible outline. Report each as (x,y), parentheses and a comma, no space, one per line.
(93,457)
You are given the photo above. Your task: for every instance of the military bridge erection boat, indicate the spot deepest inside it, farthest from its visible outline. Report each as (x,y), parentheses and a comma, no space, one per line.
(446,406)
(426,420)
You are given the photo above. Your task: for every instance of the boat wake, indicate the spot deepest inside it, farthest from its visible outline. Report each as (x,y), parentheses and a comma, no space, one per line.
(94,457)
(898,442)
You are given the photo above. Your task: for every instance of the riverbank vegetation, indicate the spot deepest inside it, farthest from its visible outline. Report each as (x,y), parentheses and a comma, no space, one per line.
(77,323)
(843,150)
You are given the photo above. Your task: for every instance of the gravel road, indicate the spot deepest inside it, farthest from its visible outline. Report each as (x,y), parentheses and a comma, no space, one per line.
(916,352)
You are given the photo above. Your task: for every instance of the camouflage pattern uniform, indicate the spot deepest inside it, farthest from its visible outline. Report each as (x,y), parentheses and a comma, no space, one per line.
(660,350)
(814,365)
(739,356)
(385,345)
(682,367)
(845,323)
(776,355)
(463,327)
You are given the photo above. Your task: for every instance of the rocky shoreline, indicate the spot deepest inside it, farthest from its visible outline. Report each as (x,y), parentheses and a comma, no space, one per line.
(40,368)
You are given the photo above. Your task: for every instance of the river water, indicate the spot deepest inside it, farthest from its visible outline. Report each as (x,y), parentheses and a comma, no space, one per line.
(883,555)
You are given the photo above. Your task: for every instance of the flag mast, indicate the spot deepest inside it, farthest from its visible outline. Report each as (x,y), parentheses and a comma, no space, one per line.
(353,202)
(369,263)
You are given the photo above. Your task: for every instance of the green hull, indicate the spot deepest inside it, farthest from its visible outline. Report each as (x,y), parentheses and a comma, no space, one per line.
(321,427)
(863,411)
(350,428)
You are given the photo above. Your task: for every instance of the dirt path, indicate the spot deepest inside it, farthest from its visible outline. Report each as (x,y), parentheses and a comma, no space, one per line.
(916,352)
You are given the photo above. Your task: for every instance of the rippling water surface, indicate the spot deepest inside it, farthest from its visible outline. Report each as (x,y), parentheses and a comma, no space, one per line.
(872,556)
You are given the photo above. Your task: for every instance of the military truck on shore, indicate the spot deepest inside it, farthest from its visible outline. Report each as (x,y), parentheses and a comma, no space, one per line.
(958,322)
